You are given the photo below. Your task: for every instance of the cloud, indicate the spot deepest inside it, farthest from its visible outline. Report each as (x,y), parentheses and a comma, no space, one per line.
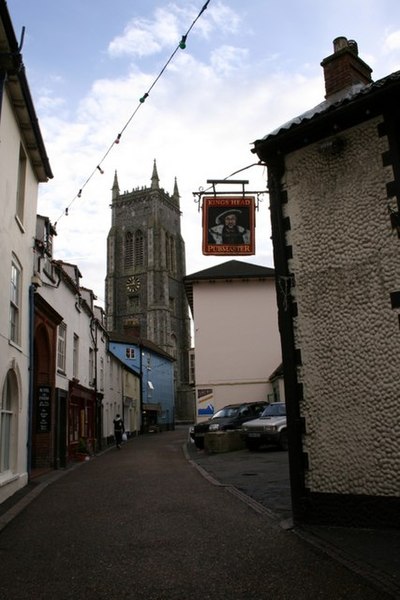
(199,122)
(222,20)
(226,59)
(392,41)
(143,37)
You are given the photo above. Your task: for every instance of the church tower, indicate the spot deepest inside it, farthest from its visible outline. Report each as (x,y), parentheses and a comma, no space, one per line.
(145,295)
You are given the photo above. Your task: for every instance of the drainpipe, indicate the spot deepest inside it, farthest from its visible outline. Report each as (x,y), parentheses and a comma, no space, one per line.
(141,384)
(32,290)
(97,419)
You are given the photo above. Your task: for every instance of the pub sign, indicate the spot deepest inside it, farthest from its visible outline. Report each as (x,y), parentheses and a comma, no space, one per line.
(229,225)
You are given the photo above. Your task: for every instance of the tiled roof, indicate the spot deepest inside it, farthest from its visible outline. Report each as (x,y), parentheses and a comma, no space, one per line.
(130,338)
(232,269)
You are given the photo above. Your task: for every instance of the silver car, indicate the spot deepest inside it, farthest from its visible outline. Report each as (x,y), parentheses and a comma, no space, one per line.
(269,428)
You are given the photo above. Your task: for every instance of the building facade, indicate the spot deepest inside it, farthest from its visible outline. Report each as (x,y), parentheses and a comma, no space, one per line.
(144,283)
(23,165)
(237,344)
(78,385)
(154,401)
(334,181)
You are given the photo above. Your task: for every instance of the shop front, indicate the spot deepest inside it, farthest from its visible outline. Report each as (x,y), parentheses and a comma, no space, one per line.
(81,422)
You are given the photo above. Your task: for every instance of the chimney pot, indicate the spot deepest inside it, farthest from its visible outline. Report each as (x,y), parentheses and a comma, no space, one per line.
(339,43)
(343,69)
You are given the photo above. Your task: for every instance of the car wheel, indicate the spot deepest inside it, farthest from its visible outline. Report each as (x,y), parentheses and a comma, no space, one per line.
(252,445)
(283,441)
(199,443)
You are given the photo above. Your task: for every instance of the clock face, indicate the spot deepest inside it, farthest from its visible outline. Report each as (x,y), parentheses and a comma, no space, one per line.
(132,284)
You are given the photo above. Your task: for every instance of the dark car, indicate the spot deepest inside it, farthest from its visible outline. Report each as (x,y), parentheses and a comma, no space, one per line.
(229,417)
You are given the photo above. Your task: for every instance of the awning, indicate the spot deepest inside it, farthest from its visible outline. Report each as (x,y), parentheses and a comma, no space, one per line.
(152,407)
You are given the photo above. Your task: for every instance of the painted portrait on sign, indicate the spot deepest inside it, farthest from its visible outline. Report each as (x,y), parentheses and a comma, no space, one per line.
(228,225)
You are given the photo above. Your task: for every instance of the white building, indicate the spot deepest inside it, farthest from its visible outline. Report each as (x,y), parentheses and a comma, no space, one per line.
(23,165)
(236,337)
(78,386)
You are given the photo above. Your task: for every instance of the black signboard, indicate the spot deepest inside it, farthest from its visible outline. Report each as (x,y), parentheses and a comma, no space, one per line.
(43,414)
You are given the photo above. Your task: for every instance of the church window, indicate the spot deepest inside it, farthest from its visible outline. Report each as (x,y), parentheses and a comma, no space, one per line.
(128,250)
(167,254)
(173,265)
(170,252)
(174,345)
(139,248)
(133,303)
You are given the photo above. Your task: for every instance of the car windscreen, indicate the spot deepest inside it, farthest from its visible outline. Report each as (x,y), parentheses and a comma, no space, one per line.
(226,413)
(274,410)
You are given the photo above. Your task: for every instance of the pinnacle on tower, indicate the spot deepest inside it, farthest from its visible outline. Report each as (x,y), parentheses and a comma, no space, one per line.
(154,178)
(176,195)
(176,191)
(115,187)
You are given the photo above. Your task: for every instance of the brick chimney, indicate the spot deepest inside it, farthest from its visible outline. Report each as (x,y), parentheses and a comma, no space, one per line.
(344,68)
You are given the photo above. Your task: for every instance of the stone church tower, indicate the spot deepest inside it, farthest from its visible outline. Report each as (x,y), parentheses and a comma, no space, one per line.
(144,283)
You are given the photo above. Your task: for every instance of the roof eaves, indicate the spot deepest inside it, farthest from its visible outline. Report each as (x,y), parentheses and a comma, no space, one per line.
(353,95)
(17,85)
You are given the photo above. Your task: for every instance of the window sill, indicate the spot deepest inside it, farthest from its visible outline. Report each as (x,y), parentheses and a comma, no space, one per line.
(15,345)
(20,224)
(7,477)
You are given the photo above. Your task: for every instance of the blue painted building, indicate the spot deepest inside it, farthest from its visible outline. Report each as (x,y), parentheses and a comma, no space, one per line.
(156,370)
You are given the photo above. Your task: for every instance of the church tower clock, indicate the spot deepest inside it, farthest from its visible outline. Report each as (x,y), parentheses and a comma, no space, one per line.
(145,269)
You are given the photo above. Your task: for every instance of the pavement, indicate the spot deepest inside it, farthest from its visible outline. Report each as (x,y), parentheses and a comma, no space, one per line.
(261,480)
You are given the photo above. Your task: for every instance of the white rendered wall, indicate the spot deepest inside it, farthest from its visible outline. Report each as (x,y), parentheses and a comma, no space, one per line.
(15,238)
(237,341)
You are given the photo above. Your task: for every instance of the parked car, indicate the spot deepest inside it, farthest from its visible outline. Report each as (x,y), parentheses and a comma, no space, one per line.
(229,417)
(269,428)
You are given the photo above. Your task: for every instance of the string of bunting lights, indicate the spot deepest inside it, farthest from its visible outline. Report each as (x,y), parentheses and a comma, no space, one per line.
(116,141)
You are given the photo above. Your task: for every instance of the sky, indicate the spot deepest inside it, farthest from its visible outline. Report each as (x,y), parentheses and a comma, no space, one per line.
(248,67)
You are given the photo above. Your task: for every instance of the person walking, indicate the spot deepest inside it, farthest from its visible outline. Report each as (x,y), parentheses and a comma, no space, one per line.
(119,430)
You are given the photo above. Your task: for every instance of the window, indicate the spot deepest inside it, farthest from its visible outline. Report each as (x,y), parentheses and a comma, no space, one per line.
(91,366)
(139,248)
(15,302)
(130,353)
(8,400)
(61,347)
(75,357)
(191,367)
(20,208)
(128,250)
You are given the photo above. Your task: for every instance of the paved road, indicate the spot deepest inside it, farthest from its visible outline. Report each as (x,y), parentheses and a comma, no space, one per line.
(143,523)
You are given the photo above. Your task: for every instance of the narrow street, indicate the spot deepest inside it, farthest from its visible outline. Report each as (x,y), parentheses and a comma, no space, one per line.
(143,523)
